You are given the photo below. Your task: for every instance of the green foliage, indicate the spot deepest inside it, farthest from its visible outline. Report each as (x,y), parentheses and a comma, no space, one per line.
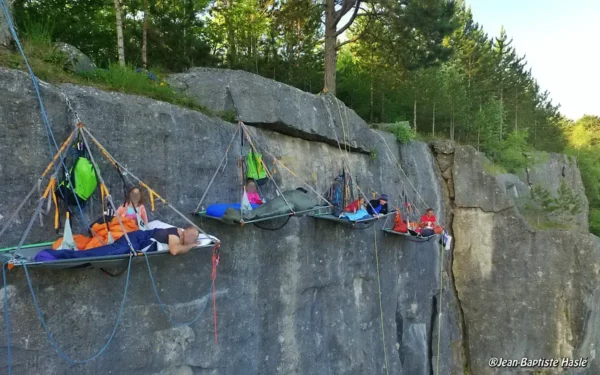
(127,80)
(402,131)
(567,203)
(546,211)
(511,153)
(494,169)
(595,221)
(37,31)
(373,154)
(228,116)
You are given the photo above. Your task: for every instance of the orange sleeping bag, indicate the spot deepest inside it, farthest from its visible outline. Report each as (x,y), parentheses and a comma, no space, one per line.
(85,243)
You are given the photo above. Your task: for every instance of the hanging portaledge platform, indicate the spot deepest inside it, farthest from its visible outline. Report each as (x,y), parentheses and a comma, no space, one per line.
(27,255)
(409,236)
(288,215)
(349,223)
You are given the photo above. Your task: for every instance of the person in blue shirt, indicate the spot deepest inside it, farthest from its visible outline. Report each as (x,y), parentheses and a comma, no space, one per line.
(379,206)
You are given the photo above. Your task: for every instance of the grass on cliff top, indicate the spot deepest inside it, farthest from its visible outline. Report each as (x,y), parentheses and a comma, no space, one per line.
(48,64)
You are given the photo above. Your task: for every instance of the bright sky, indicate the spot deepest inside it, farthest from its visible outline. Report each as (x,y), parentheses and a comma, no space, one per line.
(560,41)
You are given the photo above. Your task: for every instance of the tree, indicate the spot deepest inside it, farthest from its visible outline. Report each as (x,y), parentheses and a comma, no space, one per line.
(5,36)
(120,46)
(332,31)
(145,37)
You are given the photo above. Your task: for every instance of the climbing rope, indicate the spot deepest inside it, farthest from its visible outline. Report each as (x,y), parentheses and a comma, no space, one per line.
(346,155)
(33,189)
(276,228)
(49,133)
(142,183)
(7,318)
(440,316)
(45,326)
(218,168)
(395,160)
(162,305)
(108,197)
(380,302)
(216,257)
(247,132)
(263,148)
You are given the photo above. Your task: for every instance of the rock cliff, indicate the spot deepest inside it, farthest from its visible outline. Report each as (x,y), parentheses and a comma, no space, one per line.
(303,299)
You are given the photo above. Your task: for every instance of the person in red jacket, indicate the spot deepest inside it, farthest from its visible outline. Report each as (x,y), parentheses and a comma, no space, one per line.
(356,205)
(428,223)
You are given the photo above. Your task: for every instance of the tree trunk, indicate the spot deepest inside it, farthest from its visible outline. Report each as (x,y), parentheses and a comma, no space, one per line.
(120,44)
(381,119)
(452,122)
(534,132)
(415,116)
(144,37)
(330,46)
(479,124)
(501,111)
(231,50)
(5,36)
(516,111)
(433,122)
(371,104)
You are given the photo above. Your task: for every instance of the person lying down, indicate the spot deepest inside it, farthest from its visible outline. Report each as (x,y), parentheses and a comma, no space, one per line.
(177,241)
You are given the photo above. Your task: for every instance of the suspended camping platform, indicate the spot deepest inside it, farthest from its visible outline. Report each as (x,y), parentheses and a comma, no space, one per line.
(411,237)
(27,255)
(359,224)
(258,220)
(254,170)
(70,193)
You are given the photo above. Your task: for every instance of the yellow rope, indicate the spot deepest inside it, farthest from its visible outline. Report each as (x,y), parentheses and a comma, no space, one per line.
(441,306)
(380,303)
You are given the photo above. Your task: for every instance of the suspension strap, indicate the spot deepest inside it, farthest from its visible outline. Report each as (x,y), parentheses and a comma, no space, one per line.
(113,160)
(215,263)
(247,132)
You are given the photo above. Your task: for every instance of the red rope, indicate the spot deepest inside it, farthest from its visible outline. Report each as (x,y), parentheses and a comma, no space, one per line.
(215,263)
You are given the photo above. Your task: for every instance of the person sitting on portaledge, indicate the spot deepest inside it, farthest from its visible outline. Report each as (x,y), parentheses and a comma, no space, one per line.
(379,206)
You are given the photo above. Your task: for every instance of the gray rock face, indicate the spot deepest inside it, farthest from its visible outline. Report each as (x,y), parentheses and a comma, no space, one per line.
(77,61)
(301,300)
(276,106)
(5,36)
(468,172)
(552,170)
(524,293)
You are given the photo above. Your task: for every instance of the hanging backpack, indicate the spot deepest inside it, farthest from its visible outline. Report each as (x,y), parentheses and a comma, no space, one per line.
(83,180)
(335,195)
(256,170)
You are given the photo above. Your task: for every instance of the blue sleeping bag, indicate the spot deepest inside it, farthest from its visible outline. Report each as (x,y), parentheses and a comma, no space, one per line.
(359,215)
(140,239)
(218,209)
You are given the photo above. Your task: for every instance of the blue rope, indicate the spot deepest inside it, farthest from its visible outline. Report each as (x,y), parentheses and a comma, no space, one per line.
(6,317)
(51,338)
(46,122)
(162,305)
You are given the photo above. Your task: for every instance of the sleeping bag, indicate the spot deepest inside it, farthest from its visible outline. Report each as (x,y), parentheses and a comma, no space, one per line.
(218,209)
(140,239)
(359,215)
(297,199)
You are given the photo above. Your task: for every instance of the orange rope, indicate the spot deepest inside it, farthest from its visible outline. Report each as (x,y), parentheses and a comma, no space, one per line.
(151,193)
(53,182)
(57,155)
(50,184)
